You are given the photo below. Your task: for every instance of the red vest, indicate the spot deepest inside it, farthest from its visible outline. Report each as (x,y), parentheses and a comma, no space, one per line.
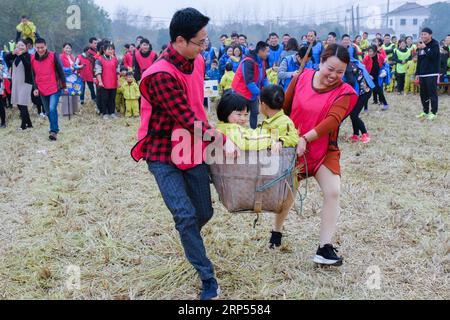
(45,74)
(144,63)
(87,73)
(240,86)
(109,72)
(309,108)
(192,84)
(65,60)
(128,60)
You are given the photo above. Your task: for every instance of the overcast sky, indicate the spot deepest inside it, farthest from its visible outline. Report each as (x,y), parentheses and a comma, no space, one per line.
(251,10)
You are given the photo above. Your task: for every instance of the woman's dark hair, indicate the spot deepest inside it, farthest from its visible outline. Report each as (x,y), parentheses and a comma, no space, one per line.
(335,50)
(378,41)
(401,41)
(67,44)
(373,48)
(147,42)
(86,49)
(126,46)
(273,96)
(230,102)
(292,44)
(302,52)
(239,48)
(187,23)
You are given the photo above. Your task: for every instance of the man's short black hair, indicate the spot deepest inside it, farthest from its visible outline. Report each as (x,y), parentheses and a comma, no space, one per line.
(92,39)
(345,36)
(333,34)
(427,30)
(224,35)
(24,16)
(243,36)
(273,34)
(187,23)
(145,41)
(261,45)
(235,35)
(41,40)
(365,32)
(127,46)
(286,35)
(387,35)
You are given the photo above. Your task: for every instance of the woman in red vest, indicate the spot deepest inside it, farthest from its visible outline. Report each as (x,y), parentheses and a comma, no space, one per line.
(143,59)
(128,57)
(106,74)
(318,102)
(87,74)
(69,104)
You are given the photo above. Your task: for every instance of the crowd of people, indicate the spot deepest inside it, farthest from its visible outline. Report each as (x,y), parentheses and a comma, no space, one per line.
(304,89)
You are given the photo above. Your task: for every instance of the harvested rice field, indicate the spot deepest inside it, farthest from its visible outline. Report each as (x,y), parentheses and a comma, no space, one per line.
(79,219)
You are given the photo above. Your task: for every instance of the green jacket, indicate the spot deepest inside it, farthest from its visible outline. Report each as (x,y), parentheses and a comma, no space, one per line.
(244,138)
(281,128)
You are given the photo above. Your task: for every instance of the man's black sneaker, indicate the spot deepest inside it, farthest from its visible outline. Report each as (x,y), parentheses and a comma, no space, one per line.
(327,256)
(275,240)
(53,136)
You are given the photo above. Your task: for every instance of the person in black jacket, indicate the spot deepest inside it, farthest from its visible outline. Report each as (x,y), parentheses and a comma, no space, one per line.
(428,66)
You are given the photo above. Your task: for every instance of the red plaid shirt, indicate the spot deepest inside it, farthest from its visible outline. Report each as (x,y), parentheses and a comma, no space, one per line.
(169,106)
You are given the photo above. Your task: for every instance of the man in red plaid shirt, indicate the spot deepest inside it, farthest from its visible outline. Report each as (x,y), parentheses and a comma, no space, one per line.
(173,86)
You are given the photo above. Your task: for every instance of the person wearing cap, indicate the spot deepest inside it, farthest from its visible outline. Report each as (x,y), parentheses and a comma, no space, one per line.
(427,73)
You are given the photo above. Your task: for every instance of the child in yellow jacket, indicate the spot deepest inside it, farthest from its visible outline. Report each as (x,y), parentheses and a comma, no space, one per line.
(410,76)
(227,79)
(272,74)
(120,102)
(282,129)
(131,95)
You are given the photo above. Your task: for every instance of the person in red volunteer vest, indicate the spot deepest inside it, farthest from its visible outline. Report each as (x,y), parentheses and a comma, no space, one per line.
(69,104)
(87,74)
(173,92)
(106,74)
(251,77)
(49,80)
(143,59)
(128,57)
(318,102)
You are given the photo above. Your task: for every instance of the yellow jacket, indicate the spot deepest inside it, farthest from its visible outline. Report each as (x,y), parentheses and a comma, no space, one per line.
(272,76)
(28,30)
(130,92)
(411,68)
(281,128)
(244,138)
(364,45)
(227,80)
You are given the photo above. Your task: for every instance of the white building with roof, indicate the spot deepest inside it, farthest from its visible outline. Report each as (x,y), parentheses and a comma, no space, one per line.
(408,19)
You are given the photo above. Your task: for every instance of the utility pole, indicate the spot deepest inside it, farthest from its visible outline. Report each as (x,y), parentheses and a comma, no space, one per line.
(387,14)
(358,30)
(353,22)
(346,26)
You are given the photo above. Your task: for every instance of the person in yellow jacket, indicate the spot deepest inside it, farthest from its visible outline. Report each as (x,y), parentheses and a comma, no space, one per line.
(410,76)
(282,129)
(272,74)
(26,29)
(131,95)
(364,44)
(227,79)
(120,102)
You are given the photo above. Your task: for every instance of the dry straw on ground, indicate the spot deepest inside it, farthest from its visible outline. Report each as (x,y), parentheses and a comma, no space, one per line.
(83,202)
